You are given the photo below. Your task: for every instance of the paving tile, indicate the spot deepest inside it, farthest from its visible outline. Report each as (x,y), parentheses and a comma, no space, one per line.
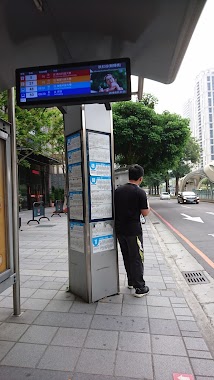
(27,292)
(203,367)
(134,342)
(32,284)
(63,319)
(168,345)
(100,322)
(118,298)
(7,302)
(134,364)
(160,312)
(39,334)
(199,354)
(164,327)
(96,362)
(179,300)
(24,355)
(204,378)
(108,308)
(83,308)
(59,305)
(35,304)
(51,285)
(165,366)
(12,331)
(87,376)
(158,301)
(131,300)
(46,294)
(70,337)
(184,311)
(185,318)
(59,358)
(193,334)
(4,348)
(195,344)
(5,313)
(26,316)
(106,340)
(13,373)
(61,295)
(167,293)
(134,310)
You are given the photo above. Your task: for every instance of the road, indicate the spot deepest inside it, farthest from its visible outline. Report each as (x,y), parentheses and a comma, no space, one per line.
(193,226)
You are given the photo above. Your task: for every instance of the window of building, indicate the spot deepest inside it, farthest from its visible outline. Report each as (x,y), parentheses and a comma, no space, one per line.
(212,157)
(209,102)
(210,109)
(209,94)
(211,133)
(210,118)
(208,87)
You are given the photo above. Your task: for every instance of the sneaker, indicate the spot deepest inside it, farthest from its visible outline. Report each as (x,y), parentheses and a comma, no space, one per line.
(130,286)
(141,292)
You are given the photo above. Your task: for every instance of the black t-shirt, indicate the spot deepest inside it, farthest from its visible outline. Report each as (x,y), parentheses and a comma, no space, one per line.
(129,200)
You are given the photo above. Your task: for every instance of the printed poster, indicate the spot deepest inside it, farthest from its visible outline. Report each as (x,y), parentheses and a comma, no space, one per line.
(77,236)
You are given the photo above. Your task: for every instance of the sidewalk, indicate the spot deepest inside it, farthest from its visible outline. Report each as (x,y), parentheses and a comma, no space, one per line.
(60,337)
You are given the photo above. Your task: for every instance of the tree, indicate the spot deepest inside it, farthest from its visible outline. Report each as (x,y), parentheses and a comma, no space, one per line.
(38,130)
(191,155)
(149,100)
(155,141)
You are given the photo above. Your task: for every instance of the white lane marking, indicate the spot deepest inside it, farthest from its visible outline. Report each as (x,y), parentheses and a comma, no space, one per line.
(193,218)
(186,206)
(209,212)
(211,235)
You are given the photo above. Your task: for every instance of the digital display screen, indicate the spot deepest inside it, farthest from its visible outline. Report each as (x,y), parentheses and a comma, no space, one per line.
(78,83)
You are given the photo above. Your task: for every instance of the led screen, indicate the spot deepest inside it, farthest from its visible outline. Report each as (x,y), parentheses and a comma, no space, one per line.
(78,83)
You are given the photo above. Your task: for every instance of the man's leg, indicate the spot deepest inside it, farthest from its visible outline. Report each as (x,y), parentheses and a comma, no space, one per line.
(125,254)
(136,259)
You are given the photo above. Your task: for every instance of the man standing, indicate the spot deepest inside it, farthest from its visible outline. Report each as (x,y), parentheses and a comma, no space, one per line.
(130,203)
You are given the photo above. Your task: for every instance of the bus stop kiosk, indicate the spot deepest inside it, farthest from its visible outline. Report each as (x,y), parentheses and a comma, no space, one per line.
(85,91)
(7,267)
(93,260)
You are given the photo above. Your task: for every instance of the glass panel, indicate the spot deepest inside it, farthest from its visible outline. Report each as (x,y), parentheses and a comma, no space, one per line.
(3,245)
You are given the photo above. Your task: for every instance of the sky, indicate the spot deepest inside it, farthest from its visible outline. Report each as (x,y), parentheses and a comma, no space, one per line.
(199,56)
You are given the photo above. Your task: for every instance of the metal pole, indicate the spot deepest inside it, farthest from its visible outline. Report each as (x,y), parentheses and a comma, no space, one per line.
(140,87)
(15,209)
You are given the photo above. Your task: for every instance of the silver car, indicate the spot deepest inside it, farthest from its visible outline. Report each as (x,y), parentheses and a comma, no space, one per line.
(164,195)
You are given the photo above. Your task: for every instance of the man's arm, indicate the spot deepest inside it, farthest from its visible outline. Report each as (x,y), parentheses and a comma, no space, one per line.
(145,211)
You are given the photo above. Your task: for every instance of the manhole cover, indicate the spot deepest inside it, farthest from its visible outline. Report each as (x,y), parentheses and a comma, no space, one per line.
(48,225)
(195,277)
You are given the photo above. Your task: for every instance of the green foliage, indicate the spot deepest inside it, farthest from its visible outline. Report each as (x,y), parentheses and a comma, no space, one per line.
(155,141)
(57,194)
(39,129)
(149,100)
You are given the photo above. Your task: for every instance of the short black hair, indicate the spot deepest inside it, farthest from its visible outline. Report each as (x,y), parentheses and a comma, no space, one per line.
(135,172)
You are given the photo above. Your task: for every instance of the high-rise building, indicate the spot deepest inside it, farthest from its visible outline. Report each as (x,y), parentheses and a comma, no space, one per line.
(201,113)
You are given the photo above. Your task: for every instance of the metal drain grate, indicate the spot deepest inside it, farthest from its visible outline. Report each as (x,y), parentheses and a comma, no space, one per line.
(48,225)
(195,278)
(156,223)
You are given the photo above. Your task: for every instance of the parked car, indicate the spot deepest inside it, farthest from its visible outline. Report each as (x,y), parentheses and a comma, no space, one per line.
(164,195)
(188,197)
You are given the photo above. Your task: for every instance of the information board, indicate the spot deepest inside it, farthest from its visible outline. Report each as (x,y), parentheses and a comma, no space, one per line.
(100,181)
(74,159)
(74,83)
